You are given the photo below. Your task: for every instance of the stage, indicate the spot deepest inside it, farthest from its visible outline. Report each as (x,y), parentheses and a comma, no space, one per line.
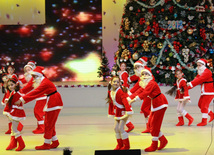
(84,127)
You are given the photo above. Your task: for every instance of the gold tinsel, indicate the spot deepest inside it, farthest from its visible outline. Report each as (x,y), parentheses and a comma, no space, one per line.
(153,60)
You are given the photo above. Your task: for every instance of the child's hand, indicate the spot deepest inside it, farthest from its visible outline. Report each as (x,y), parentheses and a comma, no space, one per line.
(18,102)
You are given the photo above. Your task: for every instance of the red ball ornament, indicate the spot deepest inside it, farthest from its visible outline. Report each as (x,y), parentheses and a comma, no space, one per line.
(157,71)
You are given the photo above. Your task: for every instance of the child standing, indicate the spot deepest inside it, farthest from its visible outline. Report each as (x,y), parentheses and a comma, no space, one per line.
(123,75)
(118,102)
(182,96)
(16,114)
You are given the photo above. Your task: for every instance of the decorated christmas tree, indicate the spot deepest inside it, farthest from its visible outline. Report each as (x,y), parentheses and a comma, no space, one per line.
(103,70)
(173,34)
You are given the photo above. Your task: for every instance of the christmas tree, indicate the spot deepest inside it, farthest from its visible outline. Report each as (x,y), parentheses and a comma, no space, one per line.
(103,70)
(173,34)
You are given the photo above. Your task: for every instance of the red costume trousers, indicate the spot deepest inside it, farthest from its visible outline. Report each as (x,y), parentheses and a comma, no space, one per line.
(38,110)
(155,121)
(204,102)
(50,122)
(146,106)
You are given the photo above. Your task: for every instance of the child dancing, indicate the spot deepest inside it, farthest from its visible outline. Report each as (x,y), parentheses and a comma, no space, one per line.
(16,114)
(182,96)
(159,105)
(118,102)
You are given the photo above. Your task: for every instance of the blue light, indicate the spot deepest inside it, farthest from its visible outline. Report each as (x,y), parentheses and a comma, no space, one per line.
(75,1)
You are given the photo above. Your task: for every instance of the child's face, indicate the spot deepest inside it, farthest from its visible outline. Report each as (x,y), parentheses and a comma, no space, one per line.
(28,69)
(11,85)
(10,70)
(145,75)
(178,74)
(4,78)
(123,67)
(115,83)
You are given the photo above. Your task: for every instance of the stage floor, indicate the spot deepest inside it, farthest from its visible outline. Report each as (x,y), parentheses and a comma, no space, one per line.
(87,129)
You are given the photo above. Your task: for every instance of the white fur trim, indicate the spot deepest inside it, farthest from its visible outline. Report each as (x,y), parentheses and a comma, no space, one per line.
(48,141)
(128,121)
(160,134)
(204,115)
(158,108)
(137,98)
(40,122)
(190,84)
(202,62)
(36,73)
(17,107)
(124,135)
(54,138)
(129,79)
(137,63)
(23,101)
(128,99)
(16,118)
(54,108)
(41,98)
(155,138)
(129,93)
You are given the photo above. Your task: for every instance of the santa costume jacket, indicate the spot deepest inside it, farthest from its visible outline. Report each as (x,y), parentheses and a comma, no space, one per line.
(119,103)
(206,81)
(48,89)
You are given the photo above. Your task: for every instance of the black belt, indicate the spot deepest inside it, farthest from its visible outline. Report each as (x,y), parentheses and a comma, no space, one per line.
(209,82)
(52,93)
(156,96)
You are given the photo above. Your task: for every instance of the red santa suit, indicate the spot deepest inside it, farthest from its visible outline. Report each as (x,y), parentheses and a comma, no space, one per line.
(182,84)
(120,108)
(52,108)
(38,108)
(159,105)
(119,104)
(207,93)
(124,78)
(4,100)
(17,111)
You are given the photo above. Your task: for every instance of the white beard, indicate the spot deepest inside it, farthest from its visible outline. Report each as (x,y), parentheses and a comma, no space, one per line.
(201,69)
(27,76)
(138,71)
(144,82)
(37,82)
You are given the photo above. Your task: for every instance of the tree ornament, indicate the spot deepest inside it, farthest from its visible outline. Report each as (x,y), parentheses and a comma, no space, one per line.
(152,2)
(160,45)
(135,56)
(190,31)
(127,22)
(167,59)
(131,8)
(153,60)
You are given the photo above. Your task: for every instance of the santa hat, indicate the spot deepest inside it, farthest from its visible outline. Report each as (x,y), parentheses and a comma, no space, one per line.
(14,78)
(32,63)
(144,60)
(148,70)
(38,71)
(202,61)
(140,63)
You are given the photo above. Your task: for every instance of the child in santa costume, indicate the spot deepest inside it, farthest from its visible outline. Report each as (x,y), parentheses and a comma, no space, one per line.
(118,103)
(182,96)
(146,106)
(5,77)
(205,79)
(123,75)
(40,101)
(54,104)
(159,105)
(16,114)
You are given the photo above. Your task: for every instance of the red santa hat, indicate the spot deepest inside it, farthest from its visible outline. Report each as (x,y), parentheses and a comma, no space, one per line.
(14,78)
(38,71)
(32,63)
(140,63)
(147,70)
(144,60)
(202,61)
